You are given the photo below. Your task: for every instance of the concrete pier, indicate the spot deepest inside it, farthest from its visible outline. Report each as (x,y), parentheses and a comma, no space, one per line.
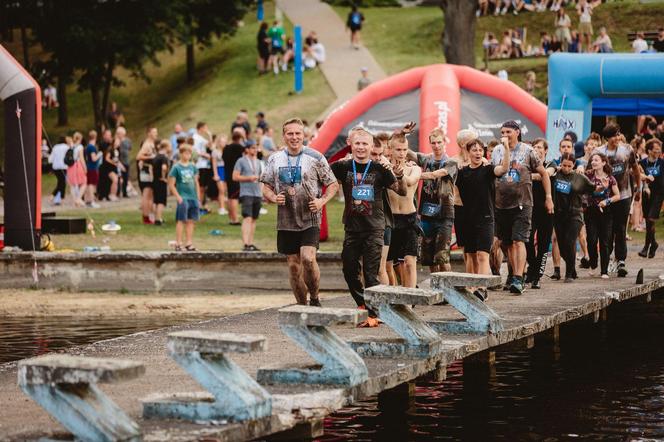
(525,318)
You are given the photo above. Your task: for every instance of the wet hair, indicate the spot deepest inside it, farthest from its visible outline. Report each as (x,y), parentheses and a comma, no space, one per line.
(437,132)
(567,157)
(607,168)
(541,141)
(359,130)
(399,135)
(292,121)
(650,144)
(476,142)
(611,130)
(570,134)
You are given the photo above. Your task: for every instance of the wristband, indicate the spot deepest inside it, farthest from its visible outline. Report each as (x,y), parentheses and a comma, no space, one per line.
(607,201)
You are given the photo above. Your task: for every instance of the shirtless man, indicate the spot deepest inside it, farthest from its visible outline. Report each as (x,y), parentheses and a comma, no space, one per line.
(378,154)
(406,230)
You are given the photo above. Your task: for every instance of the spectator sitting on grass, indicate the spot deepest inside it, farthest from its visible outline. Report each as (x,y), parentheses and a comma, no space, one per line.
(183,184)
(603,43)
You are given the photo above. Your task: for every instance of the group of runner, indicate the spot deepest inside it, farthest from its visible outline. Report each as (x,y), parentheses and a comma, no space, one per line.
(508,201)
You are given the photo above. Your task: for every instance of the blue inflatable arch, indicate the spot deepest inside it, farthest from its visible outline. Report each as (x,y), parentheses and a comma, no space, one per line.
(606,84)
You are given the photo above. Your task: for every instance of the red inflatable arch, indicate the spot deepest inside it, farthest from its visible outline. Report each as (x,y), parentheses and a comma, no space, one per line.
(442,95)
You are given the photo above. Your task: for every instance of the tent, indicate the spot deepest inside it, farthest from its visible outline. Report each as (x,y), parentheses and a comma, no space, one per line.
(441,95)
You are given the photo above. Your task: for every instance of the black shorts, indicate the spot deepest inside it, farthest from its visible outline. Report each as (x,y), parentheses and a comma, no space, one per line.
(160,192)
(144,185)
(233,188)
(460,225)
(204,177)
(251,206)
(289,241)
(387,236)
(479,237)
(276,51)
(652,204)
(405,237)
(514,224)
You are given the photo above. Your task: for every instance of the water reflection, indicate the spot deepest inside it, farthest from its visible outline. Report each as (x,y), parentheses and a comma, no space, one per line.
(606,381)
(26,337)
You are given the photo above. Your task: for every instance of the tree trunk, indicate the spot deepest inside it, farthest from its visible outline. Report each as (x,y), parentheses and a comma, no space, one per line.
(190,61)
(24,42)
(458,39)
(63,114)
(108,81)
(96,104)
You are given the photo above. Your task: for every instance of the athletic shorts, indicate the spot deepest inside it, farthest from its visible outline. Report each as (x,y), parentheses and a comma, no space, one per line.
(221,172)
(251,206)
(460,225)
(404,241)
(387,236)
(93,177)
(204,177)
(289,241)
(479,238)
(187,210)
(233,190)
(514,224)
(276,50)
(436,241)
(144,185)
(652,205)
(160,192)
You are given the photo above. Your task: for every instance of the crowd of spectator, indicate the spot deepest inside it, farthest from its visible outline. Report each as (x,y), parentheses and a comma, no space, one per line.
(276,50)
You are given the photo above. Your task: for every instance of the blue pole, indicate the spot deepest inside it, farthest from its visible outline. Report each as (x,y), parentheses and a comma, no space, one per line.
(260,12)
(298,59)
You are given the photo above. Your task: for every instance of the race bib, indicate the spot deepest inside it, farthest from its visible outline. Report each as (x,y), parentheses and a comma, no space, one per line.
(290,175)
(363,192)
(430,209)
(654,171)
(512,176)
(563,187)
(618,169)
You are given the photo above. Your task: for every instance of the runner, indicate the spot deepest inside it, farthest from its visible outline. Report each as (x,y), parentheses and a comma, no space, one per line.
(514,199)
(436,206)
(653,194)
(294,179)
(386,272)
(406,229)
(364,182)
(599,220)
(476,184)
(463,137)
(568,189)
(623,162)
(542,221)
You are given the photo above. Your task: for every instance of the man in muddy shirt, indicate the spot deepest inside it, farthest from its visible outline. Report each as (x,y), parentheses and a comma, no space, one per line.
(294,179)
(514,199)
(623,164)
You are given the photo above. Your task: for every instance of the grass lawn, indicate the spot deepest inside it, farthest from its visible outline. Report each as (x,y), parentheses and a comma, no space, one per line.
(226,81)
(417,41)
(136,236)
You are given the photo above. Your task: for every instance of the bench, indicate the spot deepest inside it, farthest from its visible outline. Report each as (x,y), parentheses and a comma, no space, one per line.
(648,36)
(393,306)
(66,387)
(480,318)
(308,327)
(232,394)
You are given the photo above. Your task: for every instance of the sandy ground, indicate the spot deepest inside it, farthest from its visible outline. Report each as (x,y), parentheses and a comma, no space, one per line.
(42,303)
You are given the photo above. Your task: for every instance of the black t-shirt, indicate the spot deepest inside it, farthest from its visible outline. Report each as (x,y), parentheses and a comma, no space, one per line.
(655,169)
(658,45)
(364,211)
(232,153)
(157,166)
(261,40)
(568,193)
(477,190)
(538,188)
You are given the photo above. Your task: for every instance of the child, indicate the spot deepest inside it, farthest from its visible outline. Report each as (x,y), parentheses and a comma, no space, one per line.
(160,184)
(183,183)
(247,172)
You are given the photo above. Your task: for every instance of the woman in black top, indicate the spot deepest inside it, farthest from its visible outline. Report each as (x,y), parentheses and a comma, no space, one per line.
(652,174)
(263,46)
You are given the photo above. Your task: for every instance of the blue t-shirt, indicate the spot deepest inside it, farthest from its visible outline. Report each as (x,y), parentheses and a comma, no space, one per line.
(89,163)
(185,180)
(655,169)
(249,167)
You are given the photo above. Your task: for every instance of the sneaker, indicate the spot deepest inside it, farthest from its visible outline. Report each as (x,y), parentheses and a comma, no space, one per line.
(556,273)
(592,271)
(605,276)
(508,283)
(253,248)
(653,249)
(585,263)
(644,251)
(203,211)
(263,211)
(92,205)
(536,284)
(314,302)
(517,286)
(568,279)
(481,294)
(159,222)
(246,248)
(622,271)
(222,211)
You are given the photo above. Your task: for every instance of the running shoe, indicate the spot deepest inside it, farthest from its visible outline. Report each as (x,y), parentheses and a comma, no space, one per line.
(653,249)
(536,284)
(605,276)
(585,263)
(314,302)
(556,274)
(568,279)
(508,283)
(644,251)
(517,286)
(622,271)
(253,248)
(481,294)
(222,211)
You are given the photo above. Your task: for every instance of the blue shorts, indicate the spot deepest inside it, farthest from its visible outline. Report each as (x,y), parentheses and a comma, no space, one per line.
(221,173)
(188,210)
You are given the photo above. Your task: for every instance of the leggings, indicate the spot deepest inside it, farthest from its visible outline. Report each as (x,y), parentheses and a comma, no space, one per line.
(599,226)
(567,228)
(361,255)
(61,186)
(542,225)
(619,213)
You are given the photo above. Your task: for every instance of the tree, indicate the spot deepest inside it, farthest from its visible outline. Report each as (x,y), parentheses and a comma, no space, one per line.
(200,20)
(458,39)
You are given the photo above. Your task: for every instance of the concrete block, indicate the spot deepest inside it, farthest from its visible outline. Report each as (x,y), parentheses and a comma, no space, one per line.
(320,316)
(68,369)
(480,318)
(204,341)
(401,295)
(458,279)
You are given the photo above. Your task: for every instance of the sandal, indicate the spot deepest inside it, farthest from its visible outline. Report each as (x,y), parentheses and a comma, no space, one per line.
(178,248)
(190,248)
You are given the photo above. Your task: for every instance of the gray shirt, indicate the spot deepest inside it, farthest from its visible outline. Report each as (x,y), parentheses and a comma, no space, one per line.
(249,167)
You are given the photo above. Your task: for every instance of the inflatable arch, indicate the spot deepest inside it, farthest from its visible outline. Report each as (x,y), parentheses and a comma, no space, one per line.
(603,84)
(442,95)
(22,196)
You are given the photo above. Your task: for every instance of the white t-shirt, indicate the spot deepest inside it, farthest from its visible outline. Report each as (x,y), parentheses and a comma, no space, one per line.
(200,146)
(319,52)
(57,158)
(585,14)
(639,45)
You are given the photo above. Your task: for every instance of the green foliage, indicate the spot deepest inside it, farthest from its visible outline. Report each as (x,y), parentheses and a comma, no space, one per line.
(363,3)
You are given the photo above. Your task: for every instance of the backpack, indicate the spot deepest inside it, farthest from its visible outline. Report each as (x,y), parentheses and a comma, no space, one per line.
(69,157)
(356,18)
